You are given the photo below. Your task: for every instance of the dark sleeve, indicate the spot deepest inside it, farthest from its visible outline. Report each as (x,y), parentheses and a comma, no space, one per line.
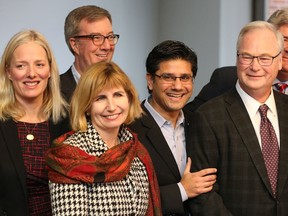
(171,199)
(205,154)
(13,192)
(222,80)
(59,129)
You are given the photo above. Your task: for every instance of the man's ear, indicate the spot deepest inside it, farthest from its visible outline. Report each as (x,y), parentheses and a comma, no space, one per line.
(74,45)
(150,81)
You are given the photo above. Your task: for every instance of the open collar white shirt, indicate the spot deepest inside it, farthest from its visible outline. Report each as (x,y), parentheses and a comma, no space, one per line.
(252,107)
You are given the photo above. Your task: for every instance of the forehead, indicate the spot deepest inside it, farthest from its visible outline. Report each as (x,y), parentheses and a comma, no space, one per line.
(259,41)
(30,48)
(107,89)
(177,66)
(102,26)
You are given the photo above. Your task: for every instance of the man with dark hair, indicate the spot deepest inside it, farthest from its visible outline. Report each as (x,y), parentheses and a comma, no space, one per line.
(165,128)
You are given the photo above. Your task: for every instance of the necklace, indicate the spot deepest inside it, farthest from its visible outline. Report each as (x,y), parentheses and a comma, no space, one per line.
(30,135)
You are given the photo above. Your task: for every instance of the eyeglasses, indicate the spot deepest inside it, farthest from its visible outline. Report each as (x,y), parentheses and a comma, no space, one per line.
(99,39)
(169,78)
(247,59)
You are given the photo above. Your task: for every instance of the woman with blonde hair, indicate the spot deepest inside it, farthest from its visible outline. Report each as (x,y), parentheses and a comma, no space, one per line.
(32,114)
(101,168)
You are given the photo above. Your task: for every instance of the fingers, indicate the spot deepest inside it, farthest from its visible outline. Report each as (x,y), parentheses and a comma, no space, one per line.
(188,165)
(196,183)
(207,171)
(205,189)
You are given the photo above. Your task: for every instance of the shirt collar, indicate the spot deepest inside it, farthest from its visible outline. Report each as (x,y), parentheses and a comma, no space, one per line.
(252,105)
(75,73)
(158,118)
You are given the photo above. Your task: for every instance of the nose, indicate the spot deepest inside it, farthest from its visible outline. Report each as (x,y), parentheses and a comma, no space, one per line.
(177,83)
(106,44)
(31,72)
(111,104)
(255,64)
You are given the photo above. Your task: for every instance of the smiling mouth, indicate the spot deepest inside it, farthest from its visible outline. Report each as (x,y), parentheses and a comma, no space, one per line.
(102,55)
(112,116)
(254,76)
(31,83)
(175,95)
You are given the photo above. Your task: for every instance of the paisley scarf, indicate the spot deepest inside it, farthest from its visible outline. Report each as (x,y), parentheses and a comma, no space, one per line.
(71,165)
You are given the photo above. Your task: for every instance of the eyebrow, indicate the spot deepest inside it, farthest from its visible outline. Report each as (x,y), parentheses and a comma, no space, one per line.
(183,73)
(98,33)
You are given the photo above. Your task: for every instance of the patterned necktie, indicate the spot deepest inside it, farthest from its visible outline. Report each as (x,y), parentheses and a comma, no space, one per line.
(270,148)
(281,87)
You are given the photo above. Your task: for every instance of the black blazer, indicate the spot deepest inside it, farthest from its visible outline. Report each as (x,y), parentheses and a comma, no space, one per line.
(13,191)
(166,168)
(68,84)
(224,137)
(222,80)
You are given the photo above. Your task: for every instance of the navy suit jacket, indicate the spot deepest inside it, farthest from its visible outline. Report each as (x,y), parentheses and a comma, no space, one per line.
(68,84)
(166,168)
(13,190)
(222,80)
(223,137)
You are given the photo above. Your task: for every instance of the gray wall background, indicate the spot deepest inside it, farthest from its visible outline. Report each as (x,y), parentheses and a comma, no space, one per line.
(209,27)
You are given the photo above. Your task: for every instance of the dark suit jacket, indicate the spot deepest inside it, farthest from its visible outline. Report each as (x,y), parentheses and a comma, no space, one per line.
(13,191)
(222,80)
(223,137)
(68,84)
(164,163)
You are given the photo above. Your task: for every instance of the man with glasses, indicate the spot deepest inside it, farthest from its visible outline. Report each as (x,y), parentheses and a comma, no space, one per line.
(165,128)
(90,38)
(280,20)
(224,78)
(243,133)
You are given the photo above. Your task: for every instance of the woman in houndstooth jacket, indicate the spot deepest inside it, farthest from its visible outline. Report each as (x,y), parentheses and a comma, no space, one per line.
(101,168)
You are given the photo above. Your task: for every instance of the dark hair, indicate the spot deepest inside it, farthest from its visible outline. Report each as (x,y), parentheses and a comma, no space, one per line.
(169,50)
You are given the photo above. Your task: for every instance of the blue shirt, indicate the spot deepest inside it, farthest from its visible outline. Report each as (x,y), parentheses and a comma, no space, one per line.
(175,138)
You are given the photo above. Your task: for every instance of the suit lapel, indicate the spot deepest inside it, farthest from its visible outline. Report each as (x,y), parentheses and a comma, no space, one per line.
(157,140)
(68,84)
(187,128)
(241,119)
(282,107)
(10,135)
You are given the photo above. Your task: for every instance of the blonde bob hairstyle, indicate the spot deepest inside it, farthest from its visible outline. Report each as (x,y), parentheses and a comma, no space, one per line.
(54,106)
(99,76)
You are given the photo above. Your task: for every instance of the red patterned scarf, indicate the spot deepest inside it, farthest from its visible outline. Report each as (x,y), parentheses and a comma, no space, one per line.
(69,164)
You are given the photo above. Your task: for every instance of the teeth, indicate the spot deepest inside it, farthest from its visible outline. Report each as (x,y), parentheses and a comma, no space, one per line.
(111,116)
(31,83)
(173,95)
(102,55)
